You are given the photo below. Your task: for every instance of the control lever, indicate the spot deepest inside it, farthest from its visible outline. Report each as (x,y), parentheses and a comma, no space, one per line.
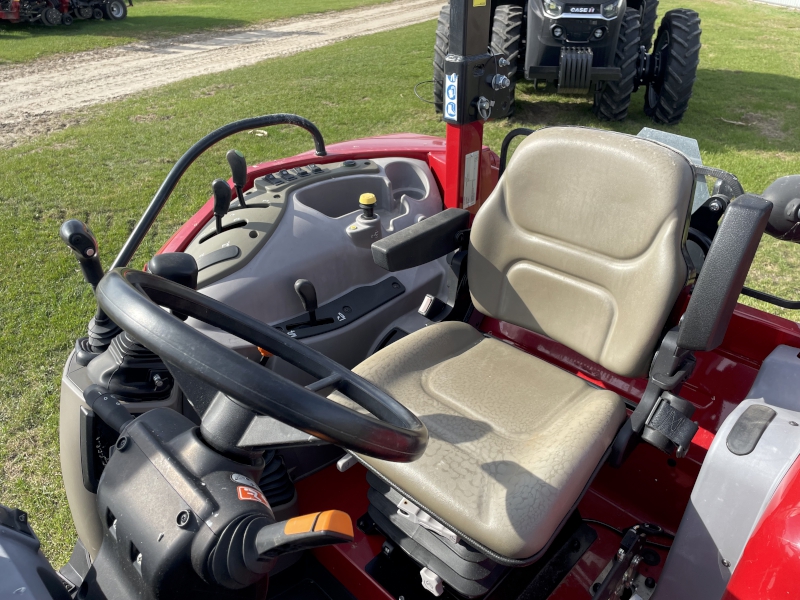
(238,166)
(308,296)
(107,407)
(82,242)
(178,267)
(222,200)
(247,554)
(80,239)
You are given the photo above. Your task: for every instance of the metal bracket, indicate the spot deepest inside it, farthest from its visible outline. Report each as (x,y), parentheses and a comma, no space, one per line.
(621,573)
(412,512)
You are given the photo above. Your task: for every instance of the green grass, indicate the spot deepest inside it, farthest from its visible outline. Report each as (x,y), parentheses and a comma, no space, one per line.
(105,169)
(152,19)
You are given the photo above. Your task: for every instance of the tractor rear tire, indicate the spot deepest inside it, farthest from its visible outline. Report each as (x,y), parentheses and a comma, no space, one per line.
(613,98)
(677,48)
(648,15)
(506,40)
(115,10)
(440,50)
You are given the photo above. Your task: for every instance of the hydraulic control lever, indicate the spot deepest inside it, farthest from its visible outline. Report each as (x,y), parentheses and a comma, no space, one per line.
(80,239)
(222,201)
(308,296)
(249,553)
(238,166)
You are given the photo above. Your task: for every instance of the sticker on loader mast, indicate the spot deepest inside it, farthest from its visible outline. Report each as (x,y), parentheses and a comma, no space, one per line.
(248,493)
(471,178)
(478,2)
(450,94)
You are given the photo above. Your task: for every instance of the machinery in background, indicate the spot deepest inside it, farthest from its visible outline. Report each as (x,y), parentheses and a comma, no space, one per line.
(62,12)
(592,47)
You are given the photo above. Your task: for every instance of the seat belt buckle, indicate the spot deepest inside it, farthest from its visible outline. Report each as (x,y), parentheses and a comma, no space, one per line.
(669,426)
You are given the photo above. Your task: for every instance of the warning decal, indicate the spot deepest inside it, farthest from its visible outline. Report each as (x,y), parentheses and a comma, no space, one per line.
(248,493)
(450,96)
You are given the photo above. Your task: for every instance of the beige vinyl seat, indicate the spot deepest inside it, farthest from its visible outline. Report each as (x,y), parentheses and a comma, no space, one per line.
(582,241)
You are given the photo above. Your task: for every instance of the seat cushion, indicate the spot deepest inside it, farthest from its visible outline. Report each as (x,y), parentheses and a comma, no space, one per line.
(513,439)
(582,240)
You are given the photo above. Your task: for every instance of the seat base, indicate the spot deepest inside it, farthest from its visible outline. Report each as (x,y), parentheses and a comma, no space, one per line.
(465,571)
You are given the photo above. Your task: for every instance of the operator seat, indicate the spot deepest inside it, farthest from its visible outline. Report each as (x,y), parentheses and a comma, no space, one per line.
(583,241)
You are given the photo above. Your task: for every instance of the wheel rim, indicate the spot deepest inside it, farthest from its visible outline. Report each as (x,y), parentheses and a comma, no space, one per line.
(660,56)
(116,10)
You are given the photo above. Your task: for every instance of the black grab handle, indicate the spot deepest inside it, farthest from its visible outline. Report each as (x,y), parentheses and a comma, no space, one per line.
(192,154)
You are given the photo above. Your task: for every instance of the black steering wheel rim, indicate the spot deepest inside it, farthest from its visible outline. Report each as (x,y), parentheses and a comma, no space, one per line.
(133,300)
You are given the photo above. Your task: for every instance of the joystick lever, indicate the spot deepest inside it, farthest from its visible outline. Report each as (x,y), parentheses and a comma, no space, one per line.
(82,242)
(101,329)
(222,200)
(308,296)
(238,166)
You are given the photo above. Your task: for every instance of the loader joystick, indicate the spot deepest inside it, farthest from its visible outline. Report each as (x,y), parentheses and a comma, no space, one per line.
(238,166)
(80,239)
(82,242)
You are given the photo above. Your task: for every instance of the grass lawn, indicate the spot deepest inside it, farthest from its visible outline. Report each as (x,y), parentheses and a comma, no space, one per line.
(105,170)
(150,19)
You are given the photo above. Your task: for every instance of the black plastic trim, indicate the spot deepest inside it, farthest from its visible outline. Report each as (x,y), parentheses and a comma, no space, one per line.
(725,268)
(422,242)
(749,427)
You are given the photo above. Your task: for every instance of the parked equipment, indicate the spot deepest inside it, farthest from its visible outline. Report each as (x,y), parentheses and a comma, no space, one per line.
(62,12)
(587,46)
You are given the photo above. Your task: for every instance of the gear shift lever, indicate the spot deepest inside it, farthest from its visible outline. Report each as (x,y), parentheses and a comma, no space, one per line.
(308,296)
(222,200)
(238,166)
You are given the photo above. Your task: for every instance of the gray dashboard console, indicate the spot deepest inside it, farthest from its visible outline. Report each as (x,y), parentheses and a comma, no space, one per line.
(247,229)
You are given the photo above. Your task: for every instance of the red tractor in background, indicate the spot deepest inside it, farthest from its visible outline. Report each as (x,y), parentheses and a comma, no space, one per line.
(61,12)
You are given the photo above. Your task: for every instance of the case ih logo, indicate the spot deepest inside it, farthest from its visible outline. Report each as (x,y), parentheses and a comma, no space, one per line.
(583,9)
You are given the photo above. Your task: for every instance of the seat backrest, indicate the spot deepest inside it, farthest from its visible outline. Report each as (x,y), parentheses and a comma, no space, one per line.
(583,240)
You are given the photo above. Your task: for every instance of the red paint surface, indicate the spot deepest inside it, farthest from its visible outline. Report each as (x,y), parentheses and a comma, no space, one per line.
(331,490)
(461,140)
(769,568)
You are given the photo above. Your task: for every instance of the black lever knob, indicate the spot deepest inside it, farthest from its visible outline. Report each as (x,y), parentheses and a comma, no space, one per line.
(175,266)
(222,200)
(82,242)
(238,166)
(308,296)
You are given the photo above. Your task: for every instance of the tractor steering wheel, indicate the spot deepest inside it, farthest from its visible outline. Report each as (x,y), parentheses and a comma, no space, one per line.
(133,300)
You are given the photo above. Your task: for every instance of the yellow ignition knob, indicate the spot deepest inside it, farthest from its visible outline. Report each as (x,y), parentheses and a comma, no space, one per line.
(367,199)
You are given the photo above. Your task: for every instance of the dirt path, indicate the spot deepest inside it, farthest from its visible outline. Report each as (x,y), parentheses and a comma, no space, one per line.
(34,96)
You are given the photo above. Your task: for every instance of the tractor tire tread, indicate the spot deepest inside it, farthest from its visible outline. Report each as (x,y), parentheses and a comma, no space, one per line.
(684,58)
(648,17)
(612,100)
(440,50)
